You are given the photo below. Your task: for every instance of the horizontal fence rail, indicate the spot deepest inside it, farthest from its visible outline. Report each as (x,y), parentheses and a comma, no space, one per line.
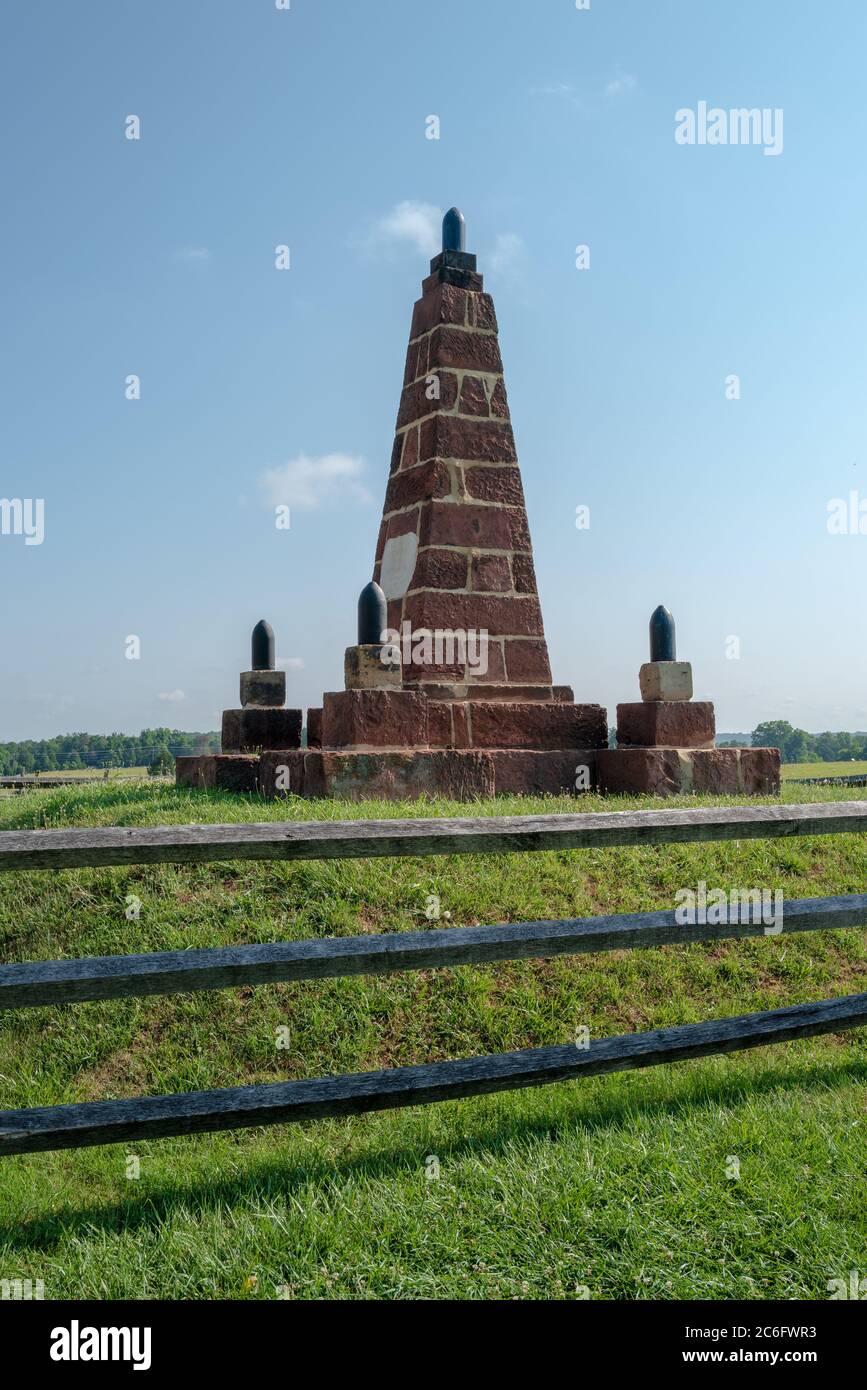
(152,1117)
(226,967)
(92,847)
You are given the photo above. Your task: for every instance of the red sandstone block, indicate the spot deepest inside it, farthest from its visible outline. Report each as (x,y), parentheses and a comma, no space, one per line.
(410,448)
(499,401)
(410,371)
(461,733)
(420,398)
(462,775)
(418,675)
(396,450)
(230,772)
(288,773)
(666,724)
(474,397)
(374,718)
(455,347)
(715,770)
(443,303)
(440,569)
(628,771)
(519,531)
(314,728)
(450,275)
(760,771)
(452,436)
(490,573)
(518,617)
(524,574)
(562,692)
(402,525)
(528,661)
(248,730)
(409,486)
(495,485)
(495,670)
(544,772)
(518,724)
(439,724)
(484,314)
(466,524)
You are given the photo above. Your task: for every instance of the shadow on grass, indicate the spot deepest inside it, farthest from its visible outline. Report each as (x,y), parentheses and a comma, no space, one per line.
(267,1176)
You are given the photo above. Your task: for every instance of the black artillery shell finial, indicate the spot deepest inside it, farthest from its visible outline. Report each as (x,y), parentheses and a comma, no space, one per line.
(454,230)
(262,657)
(372,620)
(662,637)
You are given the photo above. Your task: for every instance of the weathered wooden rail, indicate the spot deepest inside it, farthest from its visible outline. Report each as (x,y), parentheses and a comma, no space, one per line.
(42,983)
(365,839)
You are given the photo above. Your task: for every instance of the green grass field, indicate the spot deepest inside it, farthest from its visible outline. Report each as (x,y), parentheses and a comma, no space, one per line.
(790,771)
(612,1188)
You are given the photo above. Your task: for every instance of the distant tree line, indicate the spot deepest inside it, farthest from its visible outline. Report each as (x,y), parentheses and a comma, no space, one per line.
(797,746)
(68,752)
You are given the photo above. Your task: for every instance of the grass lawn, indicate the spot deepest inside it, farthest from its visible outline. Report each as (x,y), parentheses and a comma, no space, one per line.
(619,1186)
(789,771)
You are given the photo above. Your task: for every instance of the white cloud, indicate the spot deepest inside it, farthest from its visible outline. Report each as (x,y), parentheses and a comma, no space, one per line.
(419,224)
(305,482)
(290,663)
(506,255)
(174,696)
(558,89)
(623,82)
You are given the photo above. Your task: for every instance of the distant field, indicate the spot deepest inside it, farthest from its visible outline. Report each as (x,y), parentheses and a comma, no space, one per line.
(620,1185)
(114,772)
(796,770)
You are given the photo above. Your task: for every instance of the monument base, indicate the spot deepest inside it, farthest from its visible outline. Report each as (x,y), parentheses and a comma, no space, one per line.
(459,774)
(678,771)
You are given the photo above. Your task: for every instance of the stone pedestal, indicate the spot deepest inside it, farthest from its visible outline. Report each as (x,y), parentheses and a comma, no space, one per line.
(249,730)
(264,689)
(665,680)
(365,669)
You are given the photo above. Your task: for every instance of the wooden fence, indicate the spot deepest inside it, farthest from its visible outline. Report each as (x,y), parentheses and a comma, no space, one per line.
(168,972)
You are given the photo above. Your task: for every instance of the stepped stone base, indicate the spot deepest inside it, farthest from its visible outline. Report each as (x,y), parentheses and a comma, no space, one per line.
(460,774)
(228,772)
(669,771)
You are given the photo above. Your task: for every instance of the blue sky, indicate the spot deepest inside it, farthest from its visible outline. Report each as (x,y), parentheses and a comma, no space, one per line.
(306,127)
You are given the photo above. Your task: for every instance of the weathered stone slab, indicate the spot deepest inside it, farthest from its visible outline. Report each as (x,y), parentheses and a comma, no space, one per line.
(374,719)
(249,730)
(665,680)
(265,689)
(537,724)
(550,772)
(230,772)
(669,771)
(666,724)
(364,668)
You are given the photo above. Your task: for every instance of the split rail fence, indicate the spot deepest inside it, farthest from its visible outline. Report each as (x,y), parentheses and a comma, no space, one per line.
(167,972)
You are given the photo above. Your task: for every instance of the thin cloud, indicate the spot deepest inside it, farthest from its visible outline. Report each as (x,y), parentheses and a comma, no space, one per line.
(290,663)
(506,256)
(409,223)
(564,90)
(173,696)
(307,483)
(619,85)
